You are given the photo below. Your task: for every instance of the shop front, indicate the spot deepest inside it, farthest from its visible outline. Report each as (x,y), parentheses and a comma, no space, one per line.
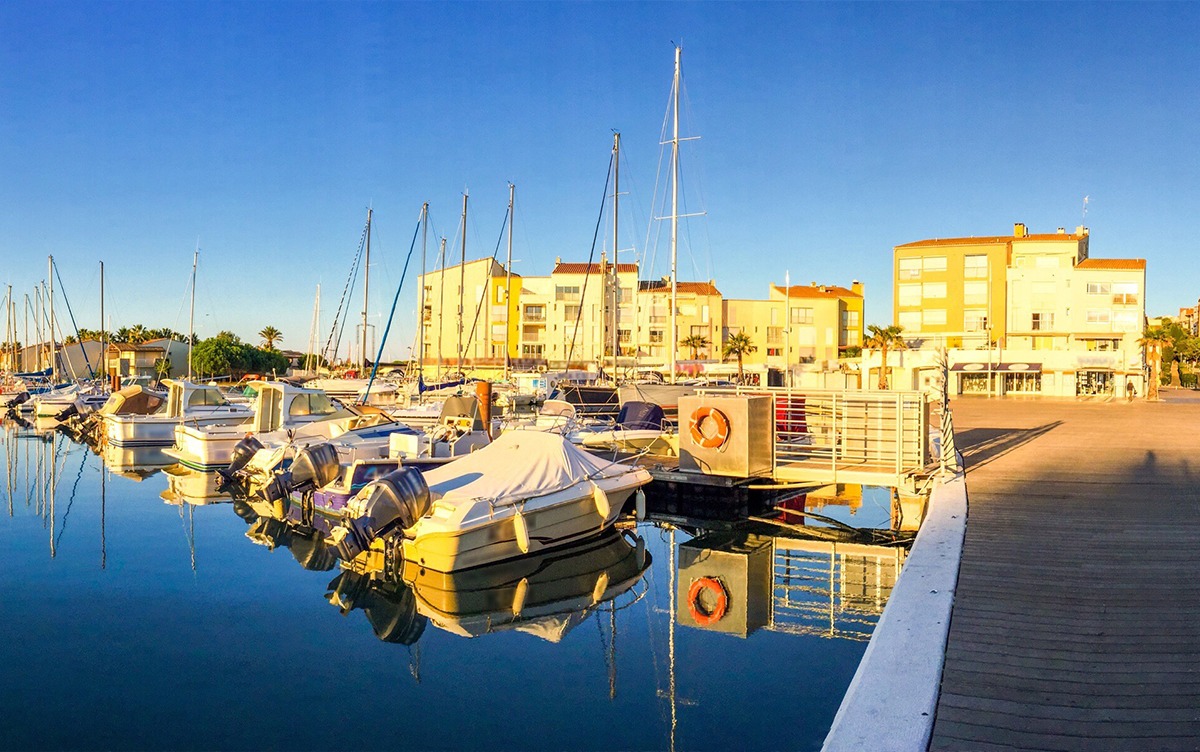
(998,378)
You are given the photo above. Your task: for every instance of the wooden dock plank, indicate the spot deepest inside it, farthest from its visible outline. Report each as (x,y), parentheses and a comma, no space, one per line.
(1076,622)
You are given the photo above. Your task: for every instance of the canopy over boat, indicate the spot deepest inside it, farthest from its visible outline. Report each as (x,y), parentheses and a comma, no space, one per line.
(518,465)
(132,400)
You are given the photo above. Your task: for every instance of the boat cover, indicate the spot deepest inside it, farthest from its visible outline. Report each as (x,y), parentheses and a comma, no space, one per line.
(640,416)
(132,400)
(518,465)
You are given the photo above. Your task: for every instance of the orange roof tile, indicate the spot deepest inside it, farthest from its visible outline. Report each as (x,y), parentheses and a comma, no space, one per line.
(820,291)
(569,268)
(1095,263)
(990,240)
(694,288)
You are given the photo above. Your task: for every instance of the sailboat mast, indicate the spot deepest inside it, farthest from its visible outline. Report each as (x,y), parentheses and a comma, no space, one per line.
(421,294)
(103,333)
(362,361)
(441,306)
(53,346)
(192,309)
(310,359)
(675,214)
(462,281)
(616,318)
(509,314)
(24,366)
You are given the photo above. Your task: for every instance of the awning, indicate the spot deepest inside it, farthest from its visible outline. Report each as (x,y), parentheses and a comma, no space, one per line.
(1014,367)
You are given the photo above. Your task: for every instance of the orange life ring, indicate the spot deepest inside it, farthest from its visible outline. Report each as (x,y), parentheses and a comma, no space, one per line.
(700,438)
(699,612)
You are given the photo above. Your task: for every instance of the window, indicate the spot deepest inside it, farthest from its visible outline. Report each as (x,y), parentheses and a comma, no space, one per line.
(1126,321)
(975,267)
(1098,315)
(1098,288)
(1041,321)
(623,335)
(851,318)
(910,320)
(908,295)
(1125,293)
(975,292)
(933,290)
(499,294)
(774,335)
(533,351)
(803,315)
(774,316)
(535,312)
(975,320)
(1103,345)
(656,336)
(700,331)
(531,333)
(934,317)
(934,263)
(909,268)
(566,292)
(774,351)
(571,313)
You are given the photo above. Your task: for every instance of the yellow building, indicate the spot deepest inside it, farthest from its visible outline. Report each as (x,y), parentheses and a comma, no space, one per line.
(699,313)
(808,324)
(1022,314)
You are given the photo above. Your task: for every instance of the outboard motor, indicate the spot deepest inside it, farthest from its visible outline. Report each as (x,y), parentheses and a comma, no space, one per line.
(242,452)
(20,399)
(394,502)
(392,613)
(315,466)
(70,411)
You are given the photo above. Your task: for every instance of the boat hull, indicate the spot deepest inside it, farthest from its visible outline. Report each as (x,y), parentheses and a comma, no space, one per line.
(565,517)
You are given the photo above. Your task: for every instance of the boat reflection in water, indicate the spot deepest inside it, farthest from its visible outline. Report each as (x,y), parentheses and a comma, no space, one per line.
(545,595)
(187,486)
(309,550)
(135,463)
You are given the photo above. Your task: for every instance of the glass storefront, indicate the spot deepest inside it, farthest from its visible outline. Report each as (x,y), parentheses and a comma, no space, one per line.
(1022,383)
(1089,383)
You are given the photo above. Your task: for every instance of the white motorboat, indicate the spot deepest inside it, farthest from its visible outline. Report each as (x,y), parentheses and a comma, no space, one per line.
(280,407)
(526,492)
(459,432)
(640,429)
(187,403)
(53,403)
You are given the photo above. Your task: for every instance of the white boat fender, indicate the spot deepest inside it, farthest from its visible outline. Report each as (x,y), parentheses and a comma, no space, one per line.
(600,588)
(639,552)
(521,529)
(639,501)
(603,507)
(518,604)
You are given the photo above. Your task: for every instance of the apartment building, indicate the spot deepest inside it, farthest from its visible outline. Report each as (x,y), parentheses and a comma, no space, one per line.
(810,324)
(1026,314)
(699,313)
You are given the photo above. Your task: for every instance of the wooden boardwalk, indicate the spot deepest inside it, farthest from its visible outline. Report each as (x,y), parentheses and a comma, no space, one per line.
(1076,624)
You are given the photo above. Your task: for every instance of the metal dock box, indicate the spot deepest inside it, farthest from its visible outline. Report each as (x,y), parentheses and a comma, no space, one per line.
(747,450)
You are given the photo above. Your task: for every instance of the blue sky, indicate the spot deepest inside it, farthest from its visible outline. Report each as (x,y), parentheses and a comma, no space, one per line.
(829,133)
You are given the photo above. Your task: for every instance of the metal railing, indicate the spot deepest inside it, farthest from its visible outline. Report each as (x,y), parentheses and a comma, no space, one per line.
(881,431)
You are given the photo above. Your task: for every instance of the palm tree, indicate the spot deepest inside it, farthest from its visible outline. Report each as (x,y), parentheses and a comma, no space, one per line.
(138,334)
(270,334)
(738,346)
(1154,340)
(884,338)
(696,342)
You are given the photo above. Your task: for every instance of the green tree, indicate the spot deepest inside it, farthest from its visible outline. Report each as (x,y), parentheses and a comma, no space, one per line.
(270,335)
(696,342)
(738,346)
(884,338)
(138,334)
(162,368)
(1154,340)
(217,356)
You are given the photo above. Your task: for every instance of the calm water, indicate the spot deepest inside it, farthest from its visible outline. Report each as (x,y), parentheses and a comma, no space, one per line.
(135,619)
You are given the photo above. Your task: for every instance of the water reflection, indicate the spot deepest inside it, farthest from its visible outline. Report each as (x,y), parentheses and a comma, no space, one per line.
(135,463)
(773,610)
